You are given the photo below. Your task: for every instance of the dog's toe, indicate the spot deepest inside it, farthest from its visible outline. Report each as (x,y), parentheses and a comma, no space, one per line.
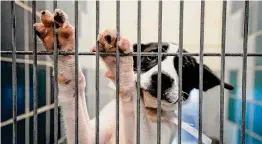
(108,42)
(60,16)
(124,45)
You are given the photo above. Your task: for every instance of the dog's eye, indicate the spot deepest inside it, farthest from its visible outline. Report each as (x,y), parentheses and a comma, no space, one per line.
(150,58)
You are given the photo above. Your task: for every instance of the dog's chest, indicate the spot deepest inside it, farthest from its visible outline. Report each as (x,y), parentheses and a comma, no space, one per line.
(148,130)
(167,133)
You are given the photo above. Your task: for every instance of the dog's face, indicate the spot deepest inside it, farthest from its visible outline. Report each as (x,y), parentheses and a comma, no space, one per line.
(169,73)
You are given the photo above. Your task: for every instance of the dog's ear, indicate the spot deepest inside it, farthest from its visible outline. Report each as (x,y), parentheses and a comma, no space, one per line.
(190,76)
(210,80)
(143,47)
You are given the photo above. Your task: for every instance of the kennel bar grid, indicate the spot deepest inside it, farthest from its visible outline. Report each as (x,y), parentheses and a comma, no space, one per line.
(222,75)
(97,69)
(55,56)
(35,98)
(14,75)
(35,53)
(181,21)
(159,78)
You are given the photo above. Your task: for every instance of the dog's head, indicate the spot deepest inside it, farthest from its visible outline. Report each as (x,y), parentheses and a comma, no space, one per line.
(169,73)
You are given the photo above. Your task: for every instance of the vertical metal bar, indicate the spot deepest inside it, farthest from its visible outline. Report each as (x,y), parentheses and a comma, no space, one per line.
(222,76)
(48,102)
(27,81)
(14,76)
(201,70)
(117,69)
(35,98)
(76,72)
(159,78)
(138,70)
(244,73)
(181,22)
(56,83)
(97,70)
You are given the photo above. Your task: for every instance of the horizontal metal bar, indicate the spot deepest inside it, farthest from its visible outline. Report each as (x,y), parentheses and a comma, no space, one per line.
(130,54)
(27,115)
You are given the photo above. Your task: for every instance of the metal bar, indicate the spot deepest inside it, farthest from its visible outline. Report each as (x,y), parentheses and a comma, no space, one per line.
(97,70)
(138,71)
(244,72)
(117,69)
(201,70)
(27,81)
(222,76)
(14,76)
(159,78)
(130,54)
(181,22)
(48,102)
(27,115)
(76,72)
(55,55)
(35,97)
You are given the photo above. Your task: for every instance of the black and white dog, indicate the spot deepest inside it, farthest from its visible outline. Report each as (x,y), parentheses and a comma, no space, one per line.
(169,73)
(127,81)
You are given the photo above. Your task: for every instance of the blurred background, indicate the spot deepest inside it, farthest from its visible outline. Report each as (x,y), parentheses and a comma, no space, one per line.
(128,28)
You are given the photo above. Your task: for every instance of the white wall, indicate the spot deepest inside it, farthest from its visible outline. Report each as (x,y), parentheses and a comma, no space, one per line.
(128,24)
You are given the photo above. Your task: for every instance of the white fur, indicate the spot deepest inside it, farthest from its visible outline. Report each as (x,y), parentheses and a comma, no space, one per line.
(127,115)
(167,66)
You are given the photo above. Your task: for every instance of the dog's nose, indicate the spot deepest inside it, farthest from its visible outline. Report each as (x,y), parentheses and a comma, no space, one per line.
(166,85)
(43,12)
(167,81)
(108,38)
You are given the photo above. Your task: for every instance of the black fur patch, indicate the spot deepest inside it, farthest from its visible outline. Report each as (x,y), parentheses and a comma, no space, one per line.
(190,75)
(166,84)
(148,62)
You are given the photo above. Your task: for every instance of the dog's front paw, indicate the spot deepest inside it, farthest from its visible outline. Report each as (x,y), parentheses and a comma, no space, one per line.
(47,18)
(108,41)
(60,17)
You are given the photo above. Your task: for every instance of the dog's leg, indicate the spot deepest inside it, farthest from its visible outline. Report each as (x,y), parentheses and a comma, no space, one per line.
(108,43)
(67,102)
(66,93)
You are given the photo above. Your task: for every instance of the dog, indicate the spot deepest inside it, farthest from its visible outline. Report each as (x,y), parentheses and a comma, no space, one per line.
(108,41)
(170,71)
